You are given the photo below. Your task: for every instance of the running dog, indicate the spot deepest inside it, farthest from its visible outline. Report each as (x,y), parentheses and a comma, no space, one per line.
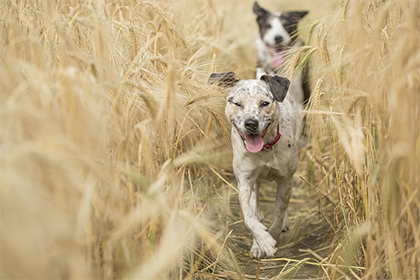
(265,133)
(278,32)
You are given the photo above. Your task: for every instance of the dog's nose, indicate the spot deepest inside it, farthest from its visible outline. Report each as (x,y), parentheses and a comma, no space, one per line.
(278,39)
(251,124)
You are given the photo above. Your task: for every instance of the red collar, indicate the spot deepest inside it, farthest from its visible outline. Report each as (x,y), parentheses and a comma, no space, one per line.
(270,145)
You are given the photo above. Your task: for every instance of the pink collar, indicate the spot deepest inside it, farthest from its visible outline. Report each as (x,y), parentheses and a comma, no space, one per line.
(270,145)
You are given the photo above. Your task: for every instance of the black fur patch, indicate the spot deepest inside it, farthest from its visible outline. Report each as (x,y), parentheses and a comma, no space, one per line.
(262,19)
(279,86)
(290,21)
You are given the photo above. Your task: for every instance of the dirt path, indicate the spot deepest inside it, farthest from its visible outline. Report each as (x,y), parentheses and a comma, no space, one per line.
(310,235)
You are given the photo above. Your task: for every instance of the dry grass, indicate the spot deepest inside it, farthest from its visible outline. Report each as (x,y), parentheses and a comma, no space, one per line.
(367,132)
(115,153)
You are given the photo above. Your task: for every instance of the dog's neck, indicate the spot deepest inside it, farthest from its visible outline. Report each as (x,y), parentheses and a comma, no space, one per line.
(276,138)
(273,135)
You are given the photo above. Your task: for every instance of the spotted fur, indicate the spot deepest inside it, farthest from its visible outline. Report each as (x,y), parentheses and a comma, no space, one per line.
(278,163)
(246,104)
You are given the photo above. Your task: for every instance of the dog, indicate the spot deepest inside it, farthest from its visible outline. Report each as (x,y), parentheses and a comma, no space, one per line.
(278,33)
(265,133)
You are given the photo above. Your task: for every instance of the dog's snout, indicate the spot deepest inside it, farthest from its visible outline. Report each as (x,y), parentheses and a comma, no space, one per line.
(278,39)
(251,124)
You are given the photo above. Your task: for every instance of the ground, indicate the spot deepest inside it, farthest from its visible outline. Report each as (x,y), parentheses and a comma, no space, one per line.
(310,235)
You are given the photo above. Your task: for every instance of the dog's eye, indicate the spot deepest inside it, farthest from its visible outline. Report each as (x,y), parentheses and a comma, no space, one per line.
(265,104)
(235,103)
(268,26)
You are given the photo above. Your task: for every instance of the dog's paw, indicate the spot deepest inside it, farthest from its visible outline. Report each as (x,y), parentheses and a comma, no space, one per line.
(262,245)
(256,252)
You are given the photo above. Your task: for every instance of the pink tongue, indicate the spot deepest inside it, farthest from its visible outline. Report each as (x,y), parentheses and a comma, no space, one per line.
(277,60)
(254,143)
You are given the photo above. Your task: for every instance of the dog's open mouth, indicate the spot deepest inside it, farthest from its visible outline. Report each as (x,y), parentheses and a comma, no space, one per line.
(277,56)
(253,142)
(276,48)
(276,53)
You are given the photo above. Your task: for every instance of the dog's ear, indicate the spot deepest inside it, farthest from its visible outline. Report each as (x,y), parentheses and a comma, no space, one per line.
(295,16)
(228,79)
(260,12)
(278,86)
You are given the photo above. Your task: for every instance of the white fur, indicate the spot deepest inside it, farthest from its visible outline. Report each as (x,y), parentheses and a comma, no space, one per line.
(276,29)
(278,164)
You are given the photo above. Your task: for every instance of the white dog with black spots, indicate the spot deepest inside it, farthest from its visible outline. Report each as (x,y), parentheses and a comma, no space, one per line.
(266,126)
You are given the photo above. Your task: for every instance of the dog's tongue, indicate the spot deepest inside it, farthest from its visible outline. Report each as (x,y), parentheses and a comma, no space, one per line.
(254,143)
(277,60)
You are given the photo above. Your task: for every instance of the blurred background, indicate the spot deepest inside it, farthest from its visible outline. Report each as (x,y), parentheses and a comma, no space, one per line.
(115,153)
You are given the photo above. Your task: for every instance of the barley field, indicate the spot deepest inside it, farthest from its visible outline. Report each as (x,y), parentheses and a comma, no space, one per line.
(115,153)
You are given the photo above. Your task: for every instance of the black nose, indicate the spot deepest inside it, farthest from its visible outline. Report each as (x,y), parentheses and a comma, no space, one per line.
(278,39)
(251,124)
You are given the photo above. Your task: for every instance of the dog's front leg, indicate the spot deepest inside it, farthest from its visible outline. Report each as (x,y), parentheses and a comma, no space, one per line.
(254,204)
(281,218)
(254,201)
(263,242)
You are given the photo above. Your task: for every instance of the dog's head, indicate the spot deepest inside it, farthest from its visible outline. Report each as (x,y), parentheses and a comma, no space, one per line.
(252,105)
(277,30)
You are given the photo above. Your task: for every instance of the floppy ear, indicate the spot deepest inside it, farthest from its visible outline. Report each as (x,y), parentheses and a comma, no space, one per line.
(228,79)
(258,10)
(278,86)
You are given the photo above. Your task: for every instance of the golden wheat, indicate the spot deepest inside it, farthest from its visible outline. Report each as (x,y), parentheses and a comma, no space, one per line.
(115,155)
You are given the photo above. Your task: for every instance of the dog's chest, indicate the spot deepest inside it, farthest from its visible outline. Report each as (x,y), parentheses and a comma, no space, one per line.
(269,172)
(276,164)
(280,162)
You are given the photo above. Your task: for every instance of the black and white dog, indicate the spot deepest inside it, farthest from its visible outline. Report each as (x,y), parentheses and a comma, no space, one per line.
(278,32)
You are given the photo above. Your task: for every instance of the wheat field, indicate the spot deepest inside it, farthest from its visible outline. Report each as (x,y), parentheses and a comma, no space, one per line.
(115,153)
